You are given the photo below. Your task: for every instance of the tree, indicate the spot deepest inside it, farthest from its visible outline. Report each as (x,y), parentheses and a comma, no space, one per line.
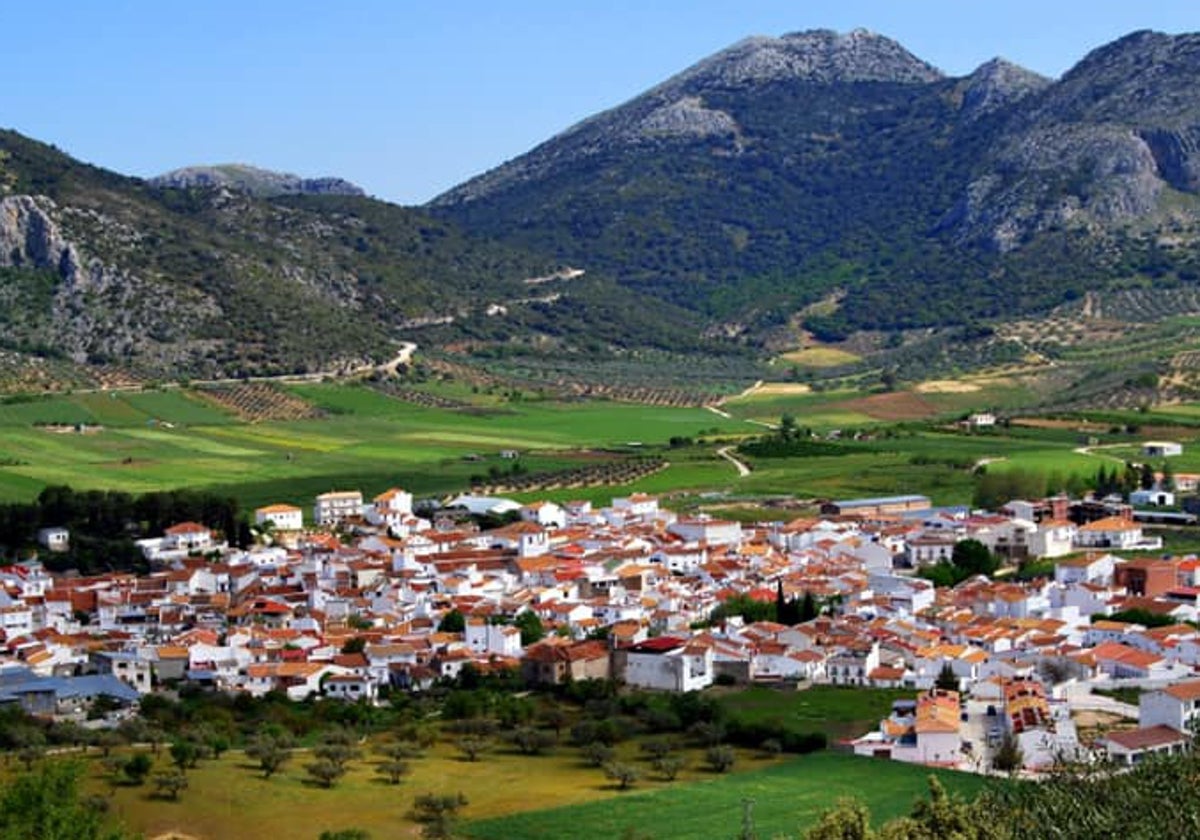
(771,747)
(46,804)
(325,772)
(271,752)
(670,766)
(850,820)
(393,770)
(625,775)
(185,754)
(169,784)
(108,741)
(438,814)
(946,678)
(808,608)
(1168,477)
(972,557)
(345,834)
(556,718)
(598,754)
(530,626)
(452,622)
(720,757)
(138,767)
(1008,757)
(472,746)
(656,749)
(531,741)
(355,645)
(1146,477)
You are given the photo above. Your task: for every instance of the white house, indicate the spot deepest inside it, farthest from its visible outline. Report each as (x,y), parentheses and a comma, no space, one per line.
(1176,706)
(668,663)
(1161,449)
(187,536)
(546,514)
(1091,568)
(1053,538)
(1154,497)
(1115,532)
(705,529)
(484,638)
(281,517)
(636,504)
(390,508)
(54,539)
(332,507)
(351,688)
(930,548)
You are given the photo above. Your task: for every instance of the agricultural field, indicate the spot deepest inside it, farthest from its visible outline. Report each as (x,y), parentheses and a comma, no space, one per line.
(228,799)
(363,438)
(787,798)
(507,794)
(360,436)
(820,357)
(839,712)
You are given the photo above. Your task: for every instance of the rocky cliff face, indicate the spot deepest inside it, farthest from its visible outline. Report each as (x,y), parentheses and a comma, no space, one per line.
(262,183)
(96,311)
(1095,149)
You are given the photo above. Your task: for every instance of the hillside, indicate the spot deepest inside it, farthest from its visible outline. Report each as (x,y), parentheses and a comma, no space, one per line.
(250,179)
(783,169)
(103,272)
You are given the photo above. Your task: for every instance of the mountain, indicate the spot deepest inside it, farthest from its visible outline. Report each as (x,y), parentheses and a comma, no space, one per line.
(258,182)
(104,271)
(824,166)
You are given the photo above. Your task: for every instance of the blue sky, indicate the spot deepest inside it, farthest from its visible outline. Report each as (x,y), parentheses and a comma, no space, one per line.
(409,98)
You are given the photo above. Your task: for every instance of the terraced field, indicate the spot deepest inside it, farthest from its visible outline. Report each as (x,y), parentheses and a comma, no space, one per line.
(255,402)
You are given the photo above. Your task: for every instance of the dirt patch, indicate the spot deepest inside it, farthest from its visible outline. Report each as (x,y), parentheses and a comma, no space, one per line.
(947,386)
(902,405)
(174,835)
(779,389)
(67,429)
(1048,423)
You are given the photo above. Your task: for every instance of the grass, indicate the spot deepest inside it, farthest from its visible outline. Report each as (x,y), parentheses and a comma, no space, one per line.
(787,798)
(839,712)
(161,440)
(229,799)
(820,357)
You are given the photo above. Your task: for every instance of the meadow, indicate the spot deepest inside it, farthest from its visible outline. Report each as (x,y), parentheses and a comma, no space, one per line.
(362,438)
(509,795)
(786,799)
(161,440)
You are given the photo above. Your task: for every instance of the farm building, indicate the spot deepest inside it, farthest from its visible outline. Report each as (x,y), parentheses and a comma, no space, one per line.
(876,506)
(1161,449)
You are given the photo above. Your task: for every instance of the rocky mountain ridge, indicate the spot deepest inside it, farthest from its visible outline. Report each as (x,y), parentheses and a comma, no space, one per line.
(262,183)
(794,166)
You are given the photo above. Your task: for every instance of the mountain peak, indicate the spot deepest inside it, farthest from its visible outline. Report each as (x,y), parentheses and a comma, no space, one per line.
(817,55)
(263,183)
(998,83)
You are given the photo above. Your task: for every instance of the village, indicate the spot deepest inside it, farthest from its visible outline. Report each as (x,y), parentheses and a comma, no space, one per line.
(363,598)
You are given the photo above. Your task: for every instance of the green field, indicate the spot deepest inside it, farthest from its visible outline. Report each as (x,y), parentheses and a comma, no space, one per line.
(787,798)
(165,439)
(162,440)
(228,799)
(838,712)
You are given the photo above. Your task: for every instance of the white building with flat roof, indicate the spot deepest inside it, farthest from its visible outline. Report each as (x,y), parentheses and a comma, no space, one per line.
(331,508)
